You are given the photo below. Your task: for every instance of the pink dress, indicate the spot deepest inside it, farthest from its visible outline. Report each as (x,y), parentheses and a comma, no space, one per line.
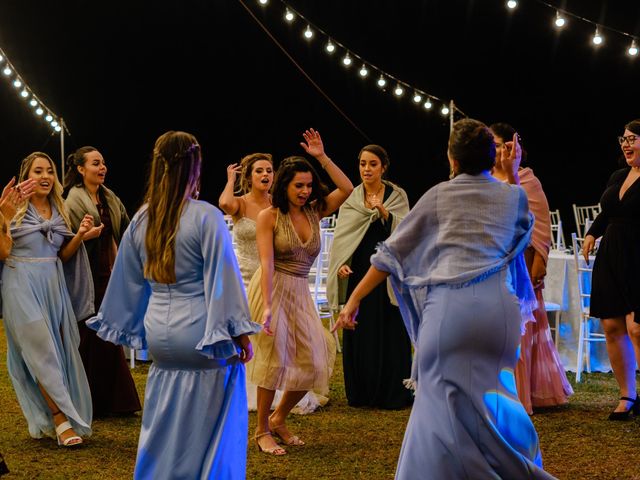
(540,377)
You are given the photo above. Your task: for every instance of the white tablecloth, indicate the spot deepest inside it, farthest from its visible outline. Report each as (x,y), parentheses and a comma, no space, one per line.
(561,286)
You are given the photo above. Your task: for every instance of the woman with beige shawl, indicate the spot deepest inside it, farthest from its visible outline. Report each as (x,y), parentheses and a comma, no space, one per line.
(370,214)
(540,377)
(112,388)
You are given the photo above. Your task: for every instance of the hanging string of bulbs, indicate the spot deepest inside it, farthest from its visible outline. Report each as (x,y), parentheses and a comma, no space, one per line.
(10,73)
(561,19)
(399,88)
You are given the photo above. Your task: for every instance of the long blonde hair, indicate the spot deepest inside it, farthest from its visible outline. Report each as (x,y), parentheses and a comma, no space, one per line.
(55,195)
(174,177)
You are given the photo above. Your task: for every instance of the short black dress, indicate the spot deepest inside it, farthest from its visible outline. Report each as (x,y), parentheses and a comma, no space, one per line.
(615,289)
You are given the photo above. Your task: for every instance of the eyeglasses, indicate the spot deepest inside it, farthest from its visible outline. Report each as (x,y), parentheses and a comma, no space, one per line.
(630,139)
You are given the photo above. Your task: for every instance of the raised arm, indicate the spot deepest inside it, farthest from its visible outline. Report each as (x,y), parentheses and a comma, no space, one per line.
(314,147)
(264,236)
(228,202)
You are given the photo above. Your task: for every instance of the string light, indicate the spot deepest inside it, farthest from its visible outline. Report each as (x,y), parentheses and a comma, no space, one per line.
(308,33)
(445,110)
(332,46)
(288,16)
(512,4)
(598,39)
(6,71)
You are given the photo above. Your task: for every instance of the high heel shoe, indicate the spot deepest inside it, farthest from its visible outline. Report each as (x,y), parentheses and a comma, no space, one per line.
(626,415)
(277,450)
(283,433)
(73,440)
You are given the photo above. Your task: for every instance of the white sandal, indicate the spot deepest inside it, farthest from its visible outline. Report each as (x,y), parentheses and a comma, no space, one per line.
(72,441)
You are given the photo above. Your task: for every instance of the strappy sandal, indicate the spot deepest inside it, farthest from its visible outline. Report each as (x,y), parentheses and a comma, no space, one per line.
(277,450)
(291,440)
(72,441)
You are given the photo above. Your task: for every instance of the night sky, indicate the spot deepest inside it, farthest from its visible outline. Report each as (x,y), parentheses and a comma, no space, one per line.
(121,73)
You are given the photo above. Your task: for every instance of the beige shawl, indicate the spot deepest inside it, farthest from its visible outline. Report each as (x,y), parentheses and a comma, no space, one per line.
(353,222)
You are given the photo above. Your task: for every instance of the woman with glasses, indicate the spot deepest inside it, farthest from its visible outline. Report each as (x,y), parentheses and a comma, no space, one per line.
(615,291)
(540,377)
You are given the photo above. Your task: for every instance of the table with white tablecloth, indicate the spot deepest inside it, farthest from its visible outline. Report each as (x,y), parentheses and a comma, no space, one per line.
(561,287)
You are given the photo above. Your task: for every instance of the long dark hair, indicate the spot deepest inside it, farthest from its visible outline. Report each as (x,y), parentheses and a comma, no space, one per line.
(379,152)
(72,177)
(285,173)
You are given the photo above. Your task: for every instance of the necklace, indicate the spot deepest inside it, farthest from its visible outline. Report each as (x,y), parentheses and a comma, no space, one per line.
(371,196)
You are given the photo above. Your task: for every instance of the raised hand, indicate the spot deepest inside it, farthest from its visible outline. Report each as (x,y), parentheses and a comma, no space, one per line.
(14,196)
(512,155)
(232,172)
(313,145)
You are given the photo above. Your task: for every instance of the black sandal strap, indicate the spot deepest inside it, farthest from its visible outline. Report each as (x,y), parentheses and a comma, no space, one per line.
(628,399)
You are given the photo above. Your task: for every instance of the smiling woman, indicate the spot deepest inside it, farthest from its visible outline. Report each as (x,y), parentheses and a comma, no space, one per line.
(112,387)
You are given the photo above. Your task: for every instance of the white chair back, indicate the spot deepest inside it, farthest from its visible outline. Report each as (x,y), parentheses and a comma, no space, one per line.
(586,336)
(582,214)
(557,234)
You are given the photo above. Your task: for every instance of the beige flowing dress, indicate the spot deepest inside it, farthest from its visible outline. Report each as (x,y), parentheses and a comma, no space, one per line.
(301,353)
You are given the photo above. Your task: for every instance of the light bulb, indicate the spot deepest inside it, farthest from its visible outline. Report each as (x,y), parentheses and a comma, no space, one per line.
(288,16)
(512,4)
(48,118)
(24,94)
(330,47)
(363,71)
(633,49)
(381,81)
(39,111)
(445,110)
(560,20)
(17,83)
(1,59)
(346,61)
(417,98)
(398,91)
(6,71)
(33,102)
(308,33)
(597,38)
(263,2)
(58,128)
(427,105)
(54,124)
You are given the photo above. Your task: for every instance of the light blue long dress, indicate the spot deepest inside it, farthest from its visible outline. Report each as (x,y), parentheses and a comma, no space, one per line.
(457,268)
(195,421)
(42,333)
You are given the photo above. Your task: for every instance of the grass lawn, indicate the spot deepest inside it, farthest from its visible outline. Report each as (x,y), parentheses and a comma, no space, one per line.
(577,441)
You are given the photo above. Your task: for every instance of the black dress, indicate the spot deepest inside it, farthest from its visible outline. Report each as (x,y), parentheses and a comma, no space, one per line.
(376,355)
(615,290)
(113,390)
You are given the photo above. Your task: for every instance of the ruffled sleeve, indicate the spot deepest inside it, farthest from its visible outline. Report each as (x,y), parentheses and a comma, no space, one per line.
(120,319)
(226,301)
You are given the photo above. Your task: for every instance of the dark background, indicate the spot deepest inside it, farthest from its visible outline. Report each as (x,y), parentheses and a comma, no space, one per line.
(123,72)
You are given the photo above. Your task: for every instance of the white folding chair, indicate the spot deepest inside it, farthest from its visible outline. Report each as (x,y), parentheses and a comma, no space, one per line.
(582,214)
(556,310)
(586,336)
(319,286)
(132,358)
(557,234)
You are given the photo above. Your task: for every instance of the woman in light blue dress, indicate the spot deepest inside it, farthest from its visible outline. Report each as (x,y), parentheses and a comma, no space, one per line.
(457,269)
(176,290)
(41,307)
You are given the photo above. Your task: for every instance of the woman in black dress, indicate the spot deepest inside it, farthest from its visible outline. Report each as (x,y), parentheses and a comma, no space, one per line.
(615,292)
(377,356)
(112,388)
